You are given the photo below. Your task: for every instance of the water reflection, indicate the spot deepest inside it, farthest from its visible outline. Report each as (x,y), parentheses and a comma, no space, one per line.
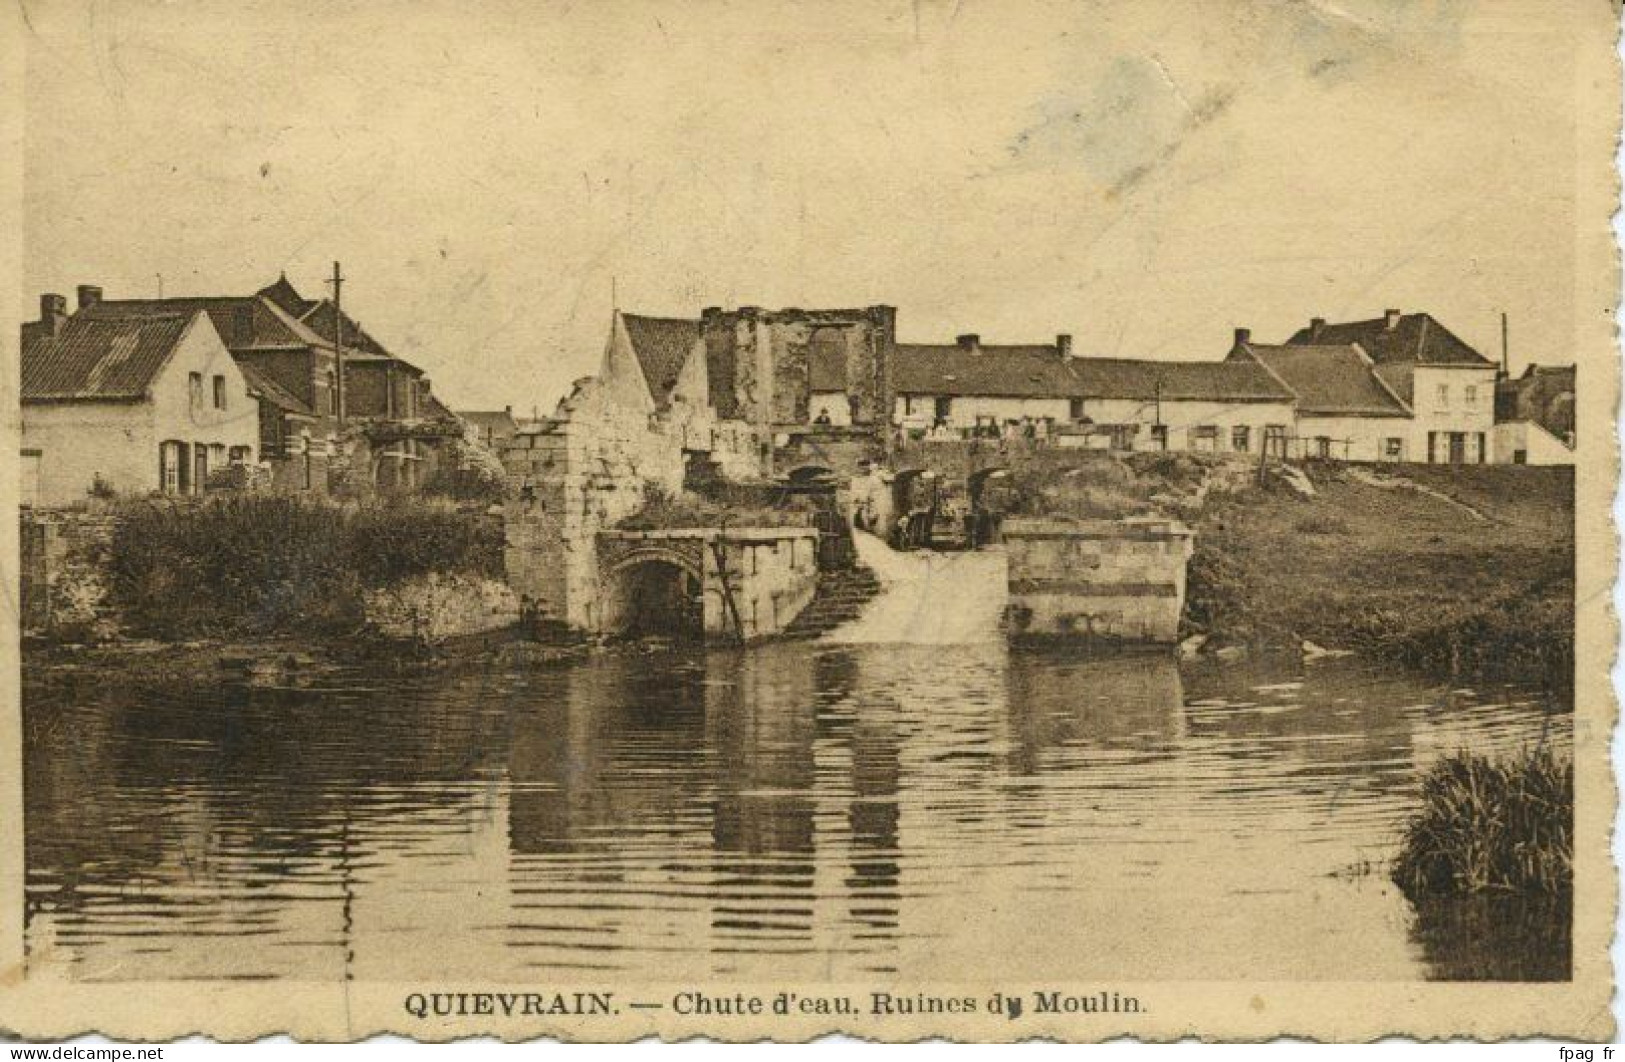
(794,810)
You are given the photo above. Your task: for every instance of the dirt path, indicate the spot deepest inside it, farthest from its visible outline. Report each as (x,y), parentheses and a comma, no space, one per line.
(1371,479)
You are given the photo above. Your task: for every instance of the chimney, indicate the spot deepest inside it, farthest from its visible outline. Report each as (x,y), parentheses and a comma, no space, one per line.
(89,295)
(53,310)
(508,410)
(1243,336)
(1390,319)
(1063,345)
(970,342)
(1317,325)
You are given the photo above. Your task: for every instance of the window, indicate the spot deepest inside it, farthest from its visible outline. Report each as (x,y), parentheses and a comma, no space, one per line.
(1469,396)
(1441,396)
(1241,438)
(1205,438)
(220,392)
(1323,446)
(171,466)
(332,393)
(194,389)
(1393,449)
(1159,436)
(1075,408)
(239,455)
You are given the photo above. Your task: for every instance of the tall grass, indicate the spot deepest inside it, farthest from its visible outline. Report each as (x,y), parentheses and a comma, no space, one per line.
(258,564)
(1491,825)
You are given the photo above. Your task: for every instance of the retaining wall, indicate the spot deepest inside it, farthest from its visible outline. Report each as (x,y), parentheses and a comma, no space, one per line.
(1111,580)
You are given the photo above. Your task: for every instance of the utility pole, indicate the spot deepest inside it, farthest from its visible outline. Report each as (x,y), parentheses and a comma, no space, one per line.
(1506,357)
(338,342)
(1157,419)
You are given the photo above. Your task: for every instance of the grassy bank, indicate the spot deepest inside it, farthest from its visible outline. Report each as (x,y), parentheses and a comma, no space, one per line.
(1472,574)
(257,565)
(1491,826)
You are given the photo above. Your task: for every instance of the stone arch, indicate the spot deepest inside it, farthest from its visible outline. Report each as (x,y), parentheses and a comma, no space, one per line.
(985,515)
(979,478)
(653,591)
(809,473)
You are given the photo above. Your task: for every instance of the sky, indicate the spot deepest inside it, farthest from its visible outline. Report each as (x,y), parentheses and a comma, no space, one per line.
(495,176)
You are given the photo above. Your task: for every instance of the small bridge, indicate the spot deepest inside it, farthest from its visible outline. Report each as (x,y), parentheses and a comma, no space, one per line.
(738,584)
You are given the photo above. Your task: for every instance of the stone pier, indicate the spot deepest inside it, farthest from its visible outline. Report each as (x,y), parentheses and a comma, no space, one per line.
(1120,581)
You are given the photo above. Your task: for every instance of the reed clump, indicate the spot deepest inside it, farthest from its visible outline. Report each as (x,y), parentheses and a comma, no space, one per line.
(1491,825)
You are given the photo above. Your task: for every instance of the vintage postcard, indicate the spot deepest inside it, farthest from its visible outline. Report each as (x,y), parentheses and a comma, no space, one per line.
(759,519)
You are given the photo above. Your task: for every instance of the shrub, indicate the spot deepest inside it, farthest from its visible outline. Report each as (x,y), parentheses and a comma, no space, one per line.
(254,564)
(664,510)
(469,471)
(1491,826)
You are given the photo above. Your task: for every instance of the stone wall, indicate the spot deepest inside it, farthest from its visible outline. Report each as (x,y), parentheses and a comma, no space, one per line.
(432,608)
(839,449)
(62,574)
(760,361)
(752,581)
(581,473)
(1112,580)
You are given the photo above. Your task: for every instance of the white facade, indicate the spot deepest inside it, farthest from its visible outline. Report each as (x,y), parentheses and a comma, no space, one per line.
(966,412)
(1523,442)
(1202,426)
(1453,413)
(198,402)
(1354,438)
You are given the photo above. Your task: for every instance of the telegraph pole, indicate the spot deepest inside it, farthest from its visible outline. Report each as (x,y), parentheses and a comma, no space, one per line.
(338,342)
(1506,354)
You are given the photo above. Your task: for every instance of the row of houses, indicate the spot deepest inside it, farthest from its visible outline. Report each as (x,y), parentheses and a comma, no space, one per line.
(181,395)
(1400,387)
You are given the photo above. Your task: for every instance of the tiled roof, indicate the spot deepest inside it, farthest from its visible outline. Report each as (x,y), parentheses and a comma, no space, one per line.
(285,295)
(1414,337)
(245,322)
(101,357)
(319,318)
(1328,380)
(1210,381)
(662,346)
(267,388)
(1035,371)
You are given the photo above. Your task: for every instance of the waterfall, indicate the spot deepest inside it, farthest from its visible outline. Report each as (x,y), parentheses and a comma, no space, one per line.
(928,598)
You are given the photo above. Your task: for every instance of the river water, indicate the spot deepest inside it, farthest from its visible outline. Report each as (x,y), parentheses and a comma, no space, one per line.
(845,809)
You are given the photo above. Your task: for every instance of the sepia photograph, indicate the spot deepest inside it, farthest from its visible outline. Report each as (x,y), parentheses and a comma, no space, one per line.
(760,520)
